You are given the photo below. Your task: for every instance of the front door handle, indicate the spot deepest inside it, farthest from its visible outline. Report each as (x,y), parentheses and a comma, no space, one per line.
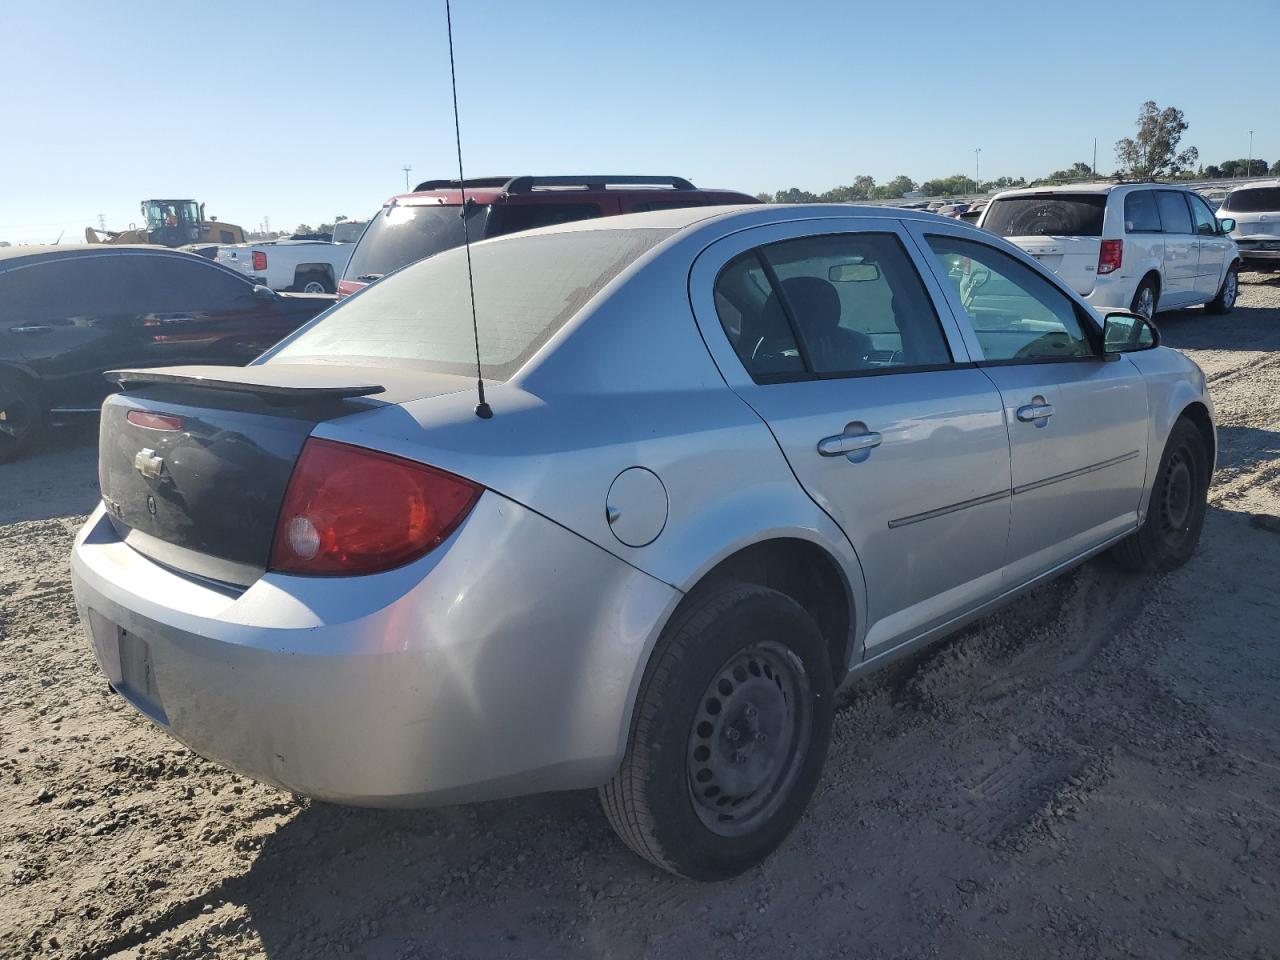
(32,328)
(182,319)
(844,444)
(1035,411)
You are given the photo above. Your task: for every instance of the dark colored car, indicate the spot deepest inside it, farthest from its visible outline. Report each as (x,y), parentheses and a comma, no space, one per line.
(417,225)
(67,314)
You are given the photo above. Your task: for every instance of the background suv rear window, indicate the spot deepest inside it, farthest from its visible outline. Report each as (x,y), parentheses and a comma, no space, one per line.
(1047,215)
(400,235)
(1253,200)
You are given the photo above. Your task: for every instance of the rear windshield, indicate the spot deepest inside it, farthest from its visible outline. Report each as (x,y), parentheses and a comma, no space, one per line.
(527,287)
(1047,215)
(1253,200)
(400,235)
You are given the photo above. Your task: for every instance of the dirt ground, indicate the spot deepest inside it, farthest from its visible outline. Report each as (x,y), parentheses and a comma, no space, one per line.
(1094,772)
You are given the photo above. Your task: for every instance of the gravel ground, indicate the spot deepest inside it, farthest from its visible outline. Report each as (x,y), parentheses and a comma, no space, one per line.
(1094,772)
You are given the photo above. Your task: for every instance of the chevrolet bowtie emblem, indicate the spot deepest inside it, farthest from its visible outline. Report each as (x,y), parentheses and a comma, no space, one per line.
(148,464)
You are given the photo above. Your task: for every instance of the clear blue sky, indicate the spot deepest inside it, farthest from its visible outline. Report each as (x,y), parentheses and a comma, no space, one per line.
(303,110)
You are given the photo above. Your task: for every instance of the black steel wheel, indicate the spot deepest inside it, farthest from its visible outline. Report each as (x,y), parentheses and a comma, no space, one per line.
(743,756)
(729,734)
(1171,529)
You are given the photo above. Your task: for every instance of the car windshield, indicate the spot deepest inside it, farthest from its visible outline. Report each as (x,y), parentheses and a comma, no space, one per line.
(526,288)
(1253,200)
(400,235)
(1047,215)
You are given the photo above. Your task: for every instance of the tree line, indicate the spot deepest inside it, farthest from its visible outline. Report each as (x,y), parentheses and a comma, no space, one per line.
(1152,153)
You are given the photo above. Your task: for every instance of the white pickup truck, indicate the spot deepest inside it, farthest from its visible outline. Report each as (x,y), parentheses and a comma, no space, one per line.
(299,266)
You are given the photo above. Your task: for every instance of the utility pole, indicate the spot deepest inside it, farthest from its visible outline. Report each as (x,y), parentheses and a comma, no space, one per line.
(406,168)
(977,181)
(266,224)
(1094,168)
(102,223)
(1248,170)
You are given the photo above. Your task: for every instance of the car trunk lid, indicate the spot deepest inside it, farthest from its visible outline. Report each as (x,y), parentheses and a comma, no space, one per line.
(194,461)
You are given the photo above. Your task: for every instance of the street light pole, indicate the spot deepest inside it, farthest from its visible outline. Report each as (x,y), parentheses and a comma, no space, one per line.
(406,168)
(1248,170)
(976,179)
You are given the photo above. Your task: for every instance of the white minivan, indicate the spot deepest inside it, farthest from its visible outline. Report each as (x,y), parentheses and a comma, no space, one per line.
(1130,246)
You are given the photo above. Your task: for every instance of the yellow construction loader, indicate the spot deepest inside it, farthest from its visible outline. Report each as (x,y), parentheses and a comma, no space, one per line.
(171,223)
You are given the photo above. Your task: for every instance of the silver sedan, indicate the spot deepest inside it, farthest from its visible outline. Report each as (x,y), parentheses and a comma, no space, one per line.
(736,457)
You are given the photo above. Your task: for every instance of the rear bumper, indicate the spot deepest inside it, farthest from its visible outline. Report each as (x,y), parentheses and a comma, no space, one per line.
(1113,291)
(1260,251)
(504,662)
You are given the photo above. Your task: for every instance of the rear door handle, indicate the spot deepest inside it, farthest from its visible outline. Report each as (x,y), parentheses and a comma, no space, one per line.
(1035,411)
(846,443)
(32,328)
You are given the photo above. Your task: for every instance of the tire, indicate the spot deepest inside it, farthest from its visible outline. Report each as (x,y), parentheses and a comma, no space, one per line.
(1148,292)
(313,283)
(735,704)
(22,415)
(1175,516)
(1225,301)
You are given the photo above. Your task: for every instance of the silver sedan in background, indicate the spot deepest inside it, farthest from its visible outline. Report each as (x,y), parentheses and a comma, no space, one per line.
(736,457)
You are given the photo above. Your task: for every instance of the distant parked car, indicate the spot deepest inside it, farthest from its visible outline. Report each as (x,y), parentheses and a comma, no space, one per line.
(1254,214)
(297,264)
(953,210)
(412,226)
(67,314)
(730,459)
(1140,247)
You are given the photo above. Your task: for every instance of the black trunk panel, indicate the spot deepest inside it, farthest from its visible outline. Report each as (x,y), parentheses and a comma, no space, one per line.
(205,497)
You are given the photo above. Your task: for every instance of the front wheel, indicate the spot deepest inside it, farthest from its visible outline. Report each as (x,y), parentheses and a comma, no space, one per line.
(1225,301)
(730,733)
(1175,516)
(21,415)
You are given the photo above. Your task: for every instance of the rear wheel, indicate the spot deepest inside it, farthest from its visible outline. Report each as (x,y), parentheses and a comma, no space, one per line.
(313,282)
(1145,298)
(22,415)
(1175,516)
(730,733)
(1225,301)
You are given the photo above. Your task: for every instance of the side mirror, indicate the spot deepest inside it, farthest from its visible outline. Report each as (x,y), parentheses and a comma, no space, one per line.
(1127,333)
(1227,224)
(264,292)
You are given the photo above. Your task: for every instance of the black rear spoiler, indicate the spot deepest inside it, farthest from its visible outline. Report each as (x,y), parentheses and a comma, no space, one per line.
(281,383)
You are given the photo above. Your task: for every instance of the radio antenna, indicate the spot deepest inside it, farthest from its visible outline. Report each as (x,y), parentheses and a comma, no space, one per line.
(483,410)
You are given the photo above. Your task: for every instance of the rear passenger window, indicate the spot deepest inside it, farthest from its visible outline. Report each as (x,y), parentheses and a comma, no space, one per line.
(527,216)
(836,305)
(1173,212)
(1016,313)
(1140,213)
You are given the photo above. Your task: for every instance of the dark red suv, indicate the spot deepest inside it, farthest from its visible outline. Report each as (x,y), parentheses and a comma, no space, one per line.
(413,226)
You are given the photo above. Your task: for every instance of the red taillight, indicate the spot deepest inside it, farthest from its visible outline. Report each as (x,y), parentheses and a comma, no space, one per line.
(259,260)
(347,287)
(154,421)
(349,511)
(1109,256)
